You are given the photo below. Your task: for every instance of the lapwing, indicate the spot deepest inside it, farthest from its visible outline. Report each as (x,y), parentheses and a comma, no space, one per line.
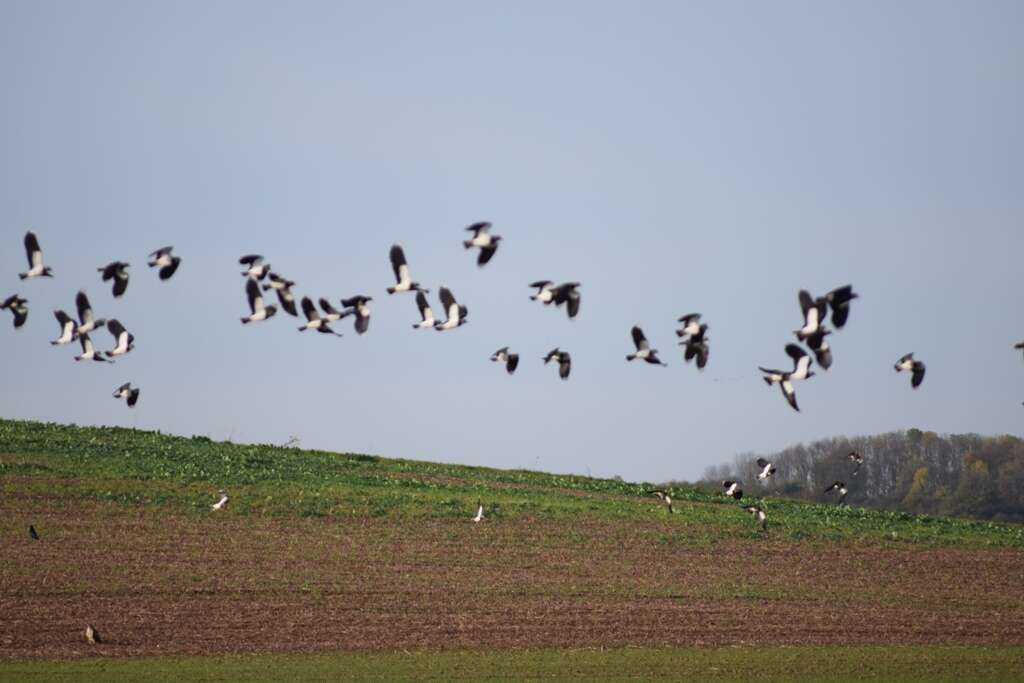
(732,489)
(32,533)
(664,496)
(329,313)
(545,291)
(839,300)
(128,392)
(915,367)
(68,328)
(511,360)
(118,272)
(426,312)
(35,259)
(164,260)
(92,636)
(690,325)
(359,307)
(18,307)
(256,267)
(89,352)
(1019,346)
(283,287)
(86,322)
(758,512)
(697,347)
(259,310)
(568,293)
(857,459)
(814,311)
(482,238)
(801,363)
(822,351)
(767,469)
(313,319)
(841,488)
(455,312)
(479,512)
(563,359)
(222,502)
(643,348)
(401,270)
(123,342)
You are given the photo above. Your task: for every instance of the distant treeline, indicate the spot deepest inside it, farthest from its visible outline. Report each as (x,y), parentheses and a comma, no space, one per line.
(922,472)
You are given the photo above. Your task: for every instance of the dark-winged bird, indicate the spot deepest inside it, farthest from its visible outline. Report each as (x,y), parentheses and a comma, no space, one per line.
(256,267)
(511,360)
(801,363)
(118,272)
(283,287)
(483,239)
(256,305)
(643,348)
(841,488)
(359,307)
(35,259)
(732,489)
(89,352)
(86,322)
(164,260)
(664,496)
(567,293)
(690,325)
(545,291)
(123,341)
(767,469)
(313,319)
(126,391)
(455,312)
(696,346)
(68,328)
(839,300)
(18,307)
(401,269)
(426,312)
(814,311)
(758,512)
(563,359)
(915,367)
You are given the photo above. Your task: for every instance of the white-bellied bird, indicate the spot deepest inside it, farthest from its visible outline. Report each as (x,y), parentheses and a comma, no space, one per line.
(857,459)
(118,272)
(696,346)
(426,312)
(18,307)
(92,636)
(814,311)
(483,239)
(545,291)
(123,341)
(455,312)
(313,319)
(479,512)
(283,287)
(915,367)
(222,501)
(89,352)
(758,512)
(732,489)
(86,322)
(164,260)
(359,306)
(568,293)
(260,311)
(664,496)
(643,348)
(690,325)
(256,267)
(35,259)
(801,363)
(511,360)
(839,300)
(68,328)
(400,267)
(841,488)
(767,469)
(127,391)
(563,359)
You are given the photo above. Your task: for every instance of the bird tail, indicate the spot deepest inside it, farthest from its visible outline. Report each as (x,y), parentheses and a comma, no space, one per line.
(767,380)
(391,290)
(22,276)
(302,329)
(467,243)
(245,321)
(680,333)
(631,356)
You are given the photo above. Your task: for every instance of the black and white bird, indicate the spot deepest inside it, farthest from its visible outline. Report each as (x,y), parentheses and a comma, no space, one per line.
(482,238)
(511,360)
(814,311)
(164,260)
(359,306)
(89,352)
(643,348)
(841,488)
(767,469)
(839,300)
(283,287)
(857,459)
(426,312)
(86,322)
(68,328)
(664,496)
(690,325)
(915,367)
(801,365)
(401,270)
(123,342)
(479,512)
(32,533)
(219,505)
(18,307)
(732,489)
(92,636)
(1019,346)
(758,512)
(313,319)
(822,351)
(568,293)
(118,272)
(329,313)
(256,305)
(696,346)
(563,359)
(455,312)
(545,291)
(35,259)
(256,267)
(128,392)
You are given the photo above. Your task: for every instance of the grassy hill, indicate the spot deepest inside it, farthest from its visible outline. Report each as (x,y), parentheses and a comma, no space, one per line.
(322,552)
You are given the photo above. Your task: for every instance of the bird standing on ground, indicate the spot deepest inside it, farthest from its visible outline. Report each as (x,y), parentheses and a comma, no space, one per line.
(479,512)
(841,488)
(563,359)
(456,313)
(92,636)
(664,496)
(511,360)
(126,391)
(284,292)
(426,312)
(359,307)
(118,272)
(35,259)
(86,322)
(401,270)
(732,489)
(801,363)
(68,328)
(18,307)
(758,512)
(483,239)
(124,342)
(915,367)
(767,469)
(256,305)
(643,348)
(219,505)
(165,261)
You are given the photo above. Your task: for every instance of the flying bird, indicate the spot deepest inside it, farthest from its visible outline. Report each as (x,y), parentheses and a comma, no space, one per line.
(124,342)
(511,360)
(479,512)
(697,347)
(732,489)
(841,488)
(33,534)
(690,325)
(116,271)
(256,267)
(1019,346)
(259,310)
(331,314)
(401,270)
(839,300)
(767,469)
(359,306)
(643,348)
(86,322)
(822,351)
(68,328)
(814,311)
(857,459)
(283,287)
(313,319)
(563,359)
(35,259)
(482,238)
(758,512)
(664,496)
(426,312)
(89,352)
(801,363)
(222,502)
(126,391)
(915,367)
(545,291)
(18,307)
(567,293)
(456,313)
(165,261)
(92,636)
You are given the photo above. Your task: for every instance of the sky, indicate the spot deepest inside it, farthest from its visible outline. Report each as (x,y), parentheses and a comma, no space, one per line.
(672,157)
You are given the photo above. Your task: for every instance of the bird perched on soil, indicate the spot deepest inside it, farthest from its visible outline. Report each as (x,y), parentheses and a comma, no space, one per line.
(92,636)
(219,505)
(664,497)
(758,512)
(479,512)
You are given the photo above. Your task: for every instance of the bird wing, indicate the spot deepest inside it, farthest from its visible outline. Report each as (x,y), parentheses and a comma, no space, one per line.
(160,252)
(688,318)
(424,306)
(252,291)
(309,310)
(796,353)
(62,318)
(251,260)
(32,250)
(512,363)
(167,271)
(87,346)
(702,356)
(904,359)
(447,299)
(789,393)
(762,463)
(121,282)
(564,365)
(116,328)
(918,375)
(486,253)
(477,228)
(806,302)
(84,309)
(639,340)
(398,262)
(325,305)
(540,284)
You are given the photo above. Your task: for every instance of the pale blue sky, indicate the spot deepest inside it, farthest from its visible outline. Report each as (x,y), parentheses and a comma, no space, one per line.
(672,157)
